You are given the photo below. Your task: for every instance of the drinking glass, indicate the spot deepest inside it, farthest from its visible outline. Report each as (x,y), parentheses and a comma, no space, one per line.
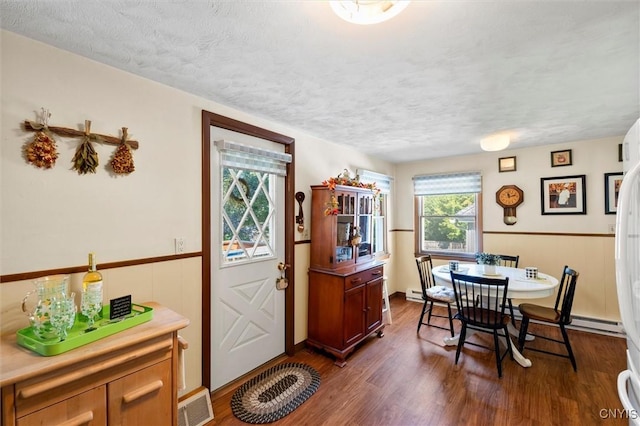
(90,306)
(62,314)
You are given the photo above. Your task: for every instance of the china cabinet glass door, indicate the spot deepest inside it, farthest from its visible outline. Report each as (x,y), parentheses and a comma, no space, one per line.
(345,228)
(365,220)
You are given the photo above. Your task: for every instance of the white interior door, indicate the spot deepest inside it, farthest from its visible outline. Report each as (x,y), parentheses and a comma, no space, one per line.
(247,223)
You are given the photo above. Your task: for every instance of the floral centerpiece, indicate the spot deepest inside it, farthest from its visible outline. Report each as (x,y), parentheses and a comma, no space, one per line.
(488,259)
(489,262)
(345,178)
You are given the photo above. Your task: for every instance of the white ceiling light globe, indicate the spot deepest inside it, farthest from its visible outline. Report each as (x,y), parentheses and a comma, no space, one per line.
(495,143)
(365,12)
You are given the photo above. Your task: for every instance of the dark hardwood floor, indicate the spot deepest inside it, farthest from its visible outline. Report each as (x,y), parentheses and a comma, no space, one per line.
(405,378)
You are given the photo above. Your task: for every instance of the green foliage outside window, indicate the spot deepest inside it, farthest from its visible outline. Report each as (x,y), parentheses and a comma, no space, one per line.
(446,219)
(236,207)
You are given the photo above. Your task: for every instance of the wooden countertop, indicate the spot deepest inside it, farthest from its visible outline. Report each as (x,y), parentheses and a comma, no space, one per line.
(18,363)
(349,270)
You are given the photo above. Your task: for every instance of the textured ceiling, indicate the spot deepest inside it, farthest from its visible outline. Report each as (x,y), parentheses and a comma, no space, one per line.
(429,83)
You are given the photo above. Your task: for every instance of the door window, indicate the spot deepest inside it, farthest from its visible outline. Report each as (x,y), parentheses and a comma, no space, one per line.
(248,212)
(248,208)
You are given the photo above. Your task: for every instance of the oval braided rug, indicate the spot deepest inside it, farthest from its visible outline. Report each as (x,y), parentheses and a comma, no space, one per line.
(274,393)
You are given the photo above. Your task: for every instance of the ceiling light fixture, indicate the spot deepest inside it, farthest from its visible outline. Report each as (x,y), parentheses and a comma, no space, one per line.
(495,142)
(365,12)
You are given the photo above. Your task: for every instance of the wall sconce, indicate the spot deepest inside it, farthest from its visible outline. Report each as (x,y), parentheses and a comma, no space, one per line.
(300,217)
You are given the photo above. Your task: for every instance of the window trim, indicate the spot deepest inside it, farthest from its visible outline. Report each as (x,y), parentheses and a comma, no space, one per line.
(447,255)
(385,185)
(385,228)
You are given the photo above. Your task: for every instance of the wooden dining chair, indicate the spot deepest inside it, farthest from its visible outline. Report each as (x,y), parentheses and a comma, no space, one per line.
(511,262)
(488,316)
(433,293)
(559,315)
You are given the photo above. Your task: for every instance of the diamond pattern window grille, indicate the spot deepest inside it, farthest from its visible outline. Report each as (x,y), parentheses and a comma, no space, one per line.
(248,212)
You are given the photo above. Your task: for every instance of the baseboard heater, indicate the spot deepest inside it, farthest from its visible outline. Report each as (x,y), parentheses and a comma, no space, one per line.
(414,295)
(592,325)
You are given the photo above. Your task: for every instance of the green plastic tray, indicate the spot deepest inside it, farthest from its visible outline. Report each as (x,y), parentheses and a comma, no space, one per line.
(78,336)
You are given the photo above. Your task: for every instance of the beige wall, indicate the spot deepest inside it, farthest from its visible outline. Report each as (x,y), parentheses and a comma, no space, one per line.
(535,237)
(175,284)
(596,296)
(51,218)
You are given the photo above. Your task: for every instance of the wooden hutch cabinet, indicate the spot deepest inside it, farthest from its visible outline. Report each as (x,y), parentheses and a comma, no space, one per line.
(345,281)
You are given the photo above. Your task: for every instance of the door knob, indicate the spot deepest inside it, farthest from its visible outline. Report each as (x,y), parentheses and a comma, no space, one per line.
(283,266)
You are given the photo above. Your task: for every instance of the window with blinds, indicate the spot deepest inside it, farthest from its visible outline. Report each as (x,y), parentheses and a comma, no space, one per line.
(379,231)
(248,207)
(448,211)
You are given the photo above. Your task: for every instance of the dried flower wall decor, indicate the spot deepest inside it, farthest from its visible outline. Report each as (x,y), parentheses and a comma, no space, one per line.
(122,161)
(86,158)
(42,151)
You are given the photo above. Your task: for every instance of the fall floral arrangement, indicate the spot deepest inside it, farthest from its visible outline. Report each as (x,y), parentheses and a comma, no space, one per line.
(332,206)
(344,178)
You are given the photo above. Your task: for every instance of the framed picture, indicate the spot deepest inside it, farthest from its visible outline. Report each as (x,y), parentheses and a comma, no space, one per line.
(561,158)
(620,152)
(507,164)
(563,195)
(612,182)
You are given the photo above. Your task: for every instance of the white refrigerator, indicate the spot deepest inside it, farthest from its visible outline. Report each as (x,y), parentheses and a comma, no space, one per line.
(627,253)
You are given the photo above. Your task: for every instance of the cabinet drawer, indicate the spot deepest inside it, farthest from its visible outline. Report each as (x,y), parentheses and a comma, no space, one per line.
(42,391)
(355,280)
(87,408)
(142,398)
(363,277)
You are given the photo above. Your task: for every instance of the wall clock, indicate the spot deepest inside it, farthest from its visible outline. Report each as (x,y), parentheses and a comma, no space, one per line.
(509,197)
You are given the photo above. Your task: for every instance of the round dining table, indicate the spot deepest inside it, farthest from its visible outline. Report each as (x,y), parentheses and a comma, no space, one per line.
(520,287)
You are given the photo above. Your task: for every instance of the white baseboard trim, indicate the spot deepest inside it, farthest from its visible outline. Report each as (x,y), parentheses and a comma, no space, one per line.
(591,325)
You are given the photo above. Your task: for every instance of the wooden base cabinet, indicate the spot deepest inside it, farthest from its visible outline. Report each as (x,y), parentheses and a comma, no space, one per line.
(344,309)
(87,408)
(129,378)
(141,398)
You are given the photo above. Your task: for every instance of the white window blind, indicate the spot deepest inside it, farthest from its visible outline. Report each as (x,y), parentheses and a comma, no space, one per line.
(452,183)
(239,156)
(383,182)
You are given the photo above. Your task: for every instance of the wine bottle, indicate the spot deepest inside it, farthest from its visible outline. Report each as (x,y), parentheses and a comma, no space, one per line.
(92,282)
